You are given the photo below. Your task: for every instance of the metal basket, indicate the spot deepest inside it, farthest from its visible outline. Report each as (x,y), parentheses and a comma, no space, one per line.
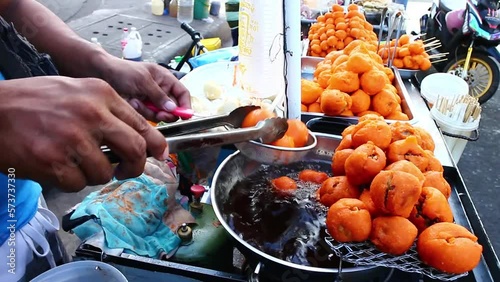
(365,253)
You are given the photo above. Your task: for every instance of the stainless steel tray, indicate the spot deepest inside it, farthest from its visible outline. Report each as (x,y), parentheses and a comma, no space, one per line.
(308,65)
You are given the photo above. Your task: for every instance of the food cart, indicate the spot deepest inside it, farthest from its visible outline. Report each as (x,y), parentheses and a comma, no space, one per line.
(259,266)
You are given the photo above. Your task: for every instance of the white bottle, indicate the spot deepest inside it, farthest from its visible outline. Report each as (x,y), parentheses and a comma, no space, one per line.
(124,39)
(185,11)
(133,49)
(157,7)
(260,53)
(95,41)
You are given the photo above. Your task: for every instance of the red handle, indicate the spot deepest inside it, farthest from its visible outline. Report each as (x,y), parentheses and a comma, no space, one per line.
(181,112)
(197,191)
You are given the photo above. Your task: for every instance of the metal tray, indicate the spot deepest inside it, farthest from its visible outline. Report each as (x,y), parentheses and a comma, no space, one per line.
(308,65)
(407,74)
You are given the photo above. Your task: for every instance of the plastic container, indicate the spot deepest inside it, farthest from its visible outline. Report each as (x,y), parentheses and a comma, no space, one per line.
(185,11)
(201,9)
(172,8)
(84,270)
(95,41)
(210,43)
(157,7)
(452,126)
(443,85)
(124,39)
(214,8)
(133,48)
(260,45)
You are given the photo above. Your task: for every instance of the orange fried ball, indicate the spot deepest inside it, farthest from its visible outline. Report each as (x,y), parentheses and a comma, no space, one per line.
(436,180)
(336,188)
(393,234)
(348,220)
(359,63)
(426,141)
(449,247)
(432,207)
(408,149)
(252,118)
(310,91)
(369,116)
(384,102)
(345,143)
(345,81)
(373,81)
(401,130)
(309,175)
(334,102)
(364,163)
(360,101)
(338,161)
(406,166)
(376,131)
(397,115)
(298,131)
(366,198)
(362,114)
(284,184)
(434,163)
(395,192)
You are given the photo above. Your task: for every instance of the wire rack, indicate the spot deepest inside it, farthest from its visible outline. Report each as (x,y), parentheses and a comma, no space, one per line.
(365,253)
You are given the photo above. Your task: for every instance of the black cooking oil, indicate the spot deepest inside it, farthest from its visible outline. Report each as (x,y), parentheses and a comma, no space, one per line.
(288,226)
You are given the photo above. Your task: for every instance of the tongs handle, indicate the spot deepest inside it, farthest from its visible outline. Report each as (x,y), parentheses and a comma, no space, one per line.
(201,140)
(193,125)
(233,119)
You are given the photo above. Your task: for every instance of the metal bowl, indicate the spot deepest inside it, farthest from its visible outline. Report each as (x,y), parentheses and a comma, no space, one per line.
(407,74)
(269,154)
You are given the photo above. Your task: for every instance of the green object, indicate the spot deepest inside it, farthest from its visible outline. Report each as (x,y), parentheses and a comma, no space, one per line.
(201,9)
(210,246)
(178,59)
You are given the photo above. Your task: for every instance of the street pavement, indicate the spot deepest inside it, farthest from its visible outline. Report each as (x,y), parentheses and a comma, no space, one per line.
(479,164)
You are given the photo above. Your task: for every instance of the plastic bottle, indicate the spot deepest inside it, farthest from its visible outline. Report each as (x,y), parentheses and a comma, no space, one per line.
(172,9)
(261,54)
(124,39)
(133,48)
(157,7)
(185,11)
(95,41)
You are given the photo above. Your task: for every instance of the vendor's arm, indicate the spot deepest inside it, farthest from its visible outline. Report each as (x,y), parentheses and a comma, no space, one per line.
(54,138)
(77,57)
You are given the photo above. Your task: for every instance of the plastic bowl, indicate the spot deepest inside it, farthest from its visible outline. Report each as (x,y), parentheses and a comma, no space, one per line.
(84,270)
(442,85)
(269,154)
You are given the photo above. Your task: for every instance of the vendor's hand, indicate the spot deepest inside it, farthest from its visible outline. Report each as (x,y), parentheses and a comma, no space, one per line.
(138,81)
(52,128)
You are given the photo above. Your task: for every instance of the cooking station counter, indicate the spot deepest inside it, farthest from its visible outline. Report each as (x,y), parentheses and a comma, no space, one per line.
(137,268)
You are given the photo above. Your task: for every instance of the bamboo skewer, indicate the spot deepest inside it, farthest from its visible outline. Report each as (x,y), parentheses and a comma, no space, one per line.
(435,47)
(439,55)
(438,61)
(432,43)
(428,39)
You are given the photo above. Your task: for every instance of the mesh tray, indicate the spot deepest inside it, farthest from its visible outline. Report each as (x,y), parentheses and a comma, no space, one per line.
(365,253)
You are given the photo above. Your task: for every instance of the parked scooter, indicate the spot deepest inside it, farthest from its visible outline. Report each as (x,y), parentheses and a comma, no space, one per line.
(469,33)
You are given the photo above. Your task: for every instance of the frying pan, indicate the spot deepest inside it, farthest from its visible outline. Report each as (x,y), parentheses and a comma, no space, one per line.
(236,168)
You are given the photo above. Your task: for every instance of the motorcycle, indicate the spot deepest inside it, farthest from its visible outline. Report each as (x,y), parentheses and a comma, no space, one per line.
(468,34)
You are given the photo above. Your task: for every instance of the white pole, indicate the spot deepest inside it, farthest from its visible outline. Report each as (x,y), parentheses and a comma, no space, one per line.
(293,57)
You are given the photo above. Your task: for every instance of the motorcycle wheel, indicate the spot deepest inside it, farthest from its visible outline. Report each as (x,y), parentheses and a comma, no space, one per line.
(483,75)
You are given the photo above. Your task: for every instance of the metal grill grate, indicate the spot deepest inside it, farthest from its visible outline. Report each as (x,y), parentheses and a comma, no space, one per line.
(365,253)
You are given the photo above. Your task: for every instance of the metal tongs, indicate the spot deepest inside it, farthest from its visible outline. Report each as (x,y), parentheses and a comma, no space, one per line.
(182,136)
(395,21)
